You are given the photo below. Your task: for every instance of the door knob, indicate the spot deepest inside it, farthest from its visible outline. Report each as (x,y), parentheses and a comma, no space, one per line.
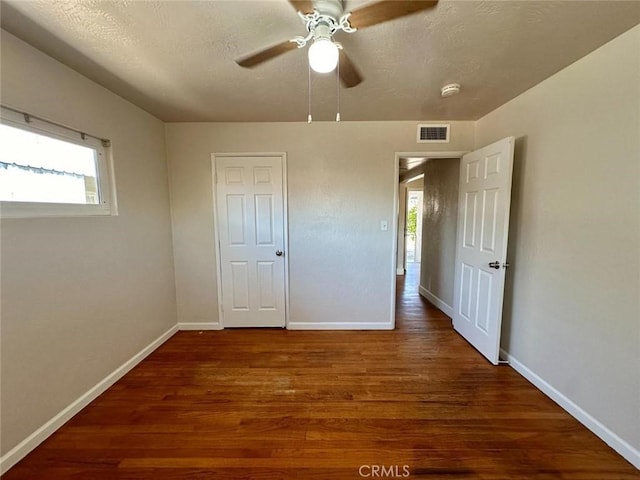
(279,253)
(496,265)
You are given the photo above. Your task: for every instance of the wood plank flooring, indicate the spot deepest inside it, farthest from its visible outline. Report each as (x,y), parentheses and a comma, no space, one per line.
(277,404)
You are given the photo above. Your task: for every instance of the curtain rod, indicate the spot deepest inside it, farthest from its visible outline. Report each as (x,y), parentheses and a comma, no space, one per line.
(28,117)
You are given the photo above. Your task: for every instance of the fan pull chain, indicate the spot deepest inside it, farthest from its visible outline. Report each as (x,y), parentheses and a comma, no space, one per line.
(338,88)
(309,118)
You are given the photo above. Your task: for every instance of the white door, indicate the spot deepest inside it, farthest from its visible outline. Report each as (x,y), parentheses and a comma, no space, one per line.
(481,245)
(250,213)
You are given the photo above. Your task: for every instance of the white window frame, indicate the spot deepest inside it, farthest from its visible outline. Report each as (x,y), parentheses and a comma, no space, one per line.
(106,185)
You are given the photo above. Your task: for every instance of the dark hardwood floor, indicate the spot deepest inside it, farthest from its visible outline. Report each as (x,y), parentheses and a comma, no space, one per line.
(417,402)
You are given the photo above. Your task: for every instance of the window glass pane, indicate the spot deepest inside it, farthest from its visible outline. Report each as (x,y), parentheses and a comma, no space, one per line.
(38,168)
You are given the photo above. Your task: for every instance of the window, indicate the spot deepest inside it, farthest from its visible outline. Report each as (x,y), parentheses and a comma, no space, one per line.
(50,170)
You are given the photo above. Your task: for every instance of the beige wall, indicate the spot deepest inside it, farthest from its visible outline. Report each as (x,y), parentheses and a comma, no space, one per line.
(439,225)
(341,184)
(80,296)
(572,311)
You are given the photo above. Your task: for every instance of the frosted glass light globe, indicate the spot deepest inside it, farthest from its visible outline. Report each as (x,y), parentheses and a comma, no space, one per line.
(323,55)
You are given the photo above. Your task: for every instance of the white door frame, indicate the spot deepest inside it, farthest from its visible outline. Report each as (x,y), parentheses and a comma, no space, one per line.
(396,194)
(401,217)
(285,212)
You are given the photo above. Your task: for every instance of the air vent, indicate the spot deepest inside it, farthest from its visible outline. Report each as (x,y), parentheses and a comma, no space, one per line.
(432,133)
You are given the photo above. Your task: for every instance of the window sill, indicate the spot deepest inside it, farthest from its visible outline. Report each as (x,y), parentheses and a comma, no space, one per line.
(48,210)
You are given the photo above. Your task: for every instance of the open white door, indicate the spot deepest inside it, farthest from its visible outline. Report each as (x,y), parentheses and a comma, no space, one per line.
(481,245)
(250,215)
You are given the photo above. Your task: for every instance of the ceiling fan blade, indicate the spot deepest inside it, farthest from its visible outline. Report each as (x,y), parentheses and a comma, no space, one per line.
(384,11)
(349,75)
(304,6)
(267,54)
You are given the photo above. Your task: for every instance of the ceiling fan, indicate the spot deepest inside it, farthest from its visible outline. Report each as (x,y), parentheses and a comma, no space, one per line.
(323,18)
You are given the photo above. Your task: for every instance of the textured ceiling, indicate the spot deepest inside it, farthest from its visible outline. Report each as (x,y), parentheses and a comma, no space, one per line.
(175,59)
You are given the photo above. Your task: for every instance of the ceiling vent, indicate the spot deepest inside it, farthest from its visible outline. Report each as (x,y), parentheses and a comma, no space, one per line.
(432,133)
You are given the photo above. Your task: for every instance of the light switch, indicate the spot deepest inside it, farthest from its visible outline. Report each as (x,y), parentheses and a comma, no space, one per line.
(383,226)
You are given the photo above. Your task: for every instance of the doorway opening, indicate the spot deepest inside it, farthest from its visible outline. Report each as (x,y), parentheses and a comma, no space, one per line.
(412,232)
(420,252)
(413,223)
(467,213)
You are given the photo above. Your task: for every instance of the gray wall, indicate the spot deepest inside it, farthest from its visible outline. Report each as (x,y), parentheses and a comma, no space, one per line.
(80,296)
(341,184)
(572,309)
(439,225)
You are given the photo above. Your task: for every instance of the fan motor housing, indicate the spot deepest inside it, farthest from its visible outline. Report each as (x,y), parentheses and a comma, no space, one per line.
(331,8)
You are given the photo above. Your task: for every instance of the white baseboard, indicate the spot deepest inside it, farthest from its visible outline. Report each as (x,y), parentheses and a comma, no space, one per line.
(199,326)
(339,326)
(610,438)
(400,271)
(441,304)
(21,450)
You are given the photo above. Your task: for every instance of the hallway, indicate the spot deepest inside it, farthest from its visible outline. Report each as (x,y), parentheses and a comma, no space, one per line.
(411,308)
(300,405)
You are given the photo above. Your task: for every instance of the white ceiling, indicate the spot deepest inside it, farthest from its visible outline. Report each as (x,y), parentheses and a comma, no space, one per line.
(175,59)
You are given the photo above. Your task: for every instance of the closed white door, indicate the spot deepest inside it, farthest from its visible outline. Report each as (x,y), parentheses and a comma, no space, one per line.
(481,248)
(250,214)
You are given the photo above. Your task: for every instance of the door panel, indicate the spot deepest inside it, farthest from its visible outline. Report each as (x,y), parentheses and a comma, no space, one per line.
(489,220)
(236,219)
(266,286)
(466,303)
(483,223)
(264,220)
(239,286)
(250,216)
(471,200)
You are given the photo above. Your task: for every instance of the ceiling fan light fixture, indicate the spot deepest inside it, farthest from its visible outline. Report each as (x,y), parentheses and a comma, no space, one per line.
(323,55)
